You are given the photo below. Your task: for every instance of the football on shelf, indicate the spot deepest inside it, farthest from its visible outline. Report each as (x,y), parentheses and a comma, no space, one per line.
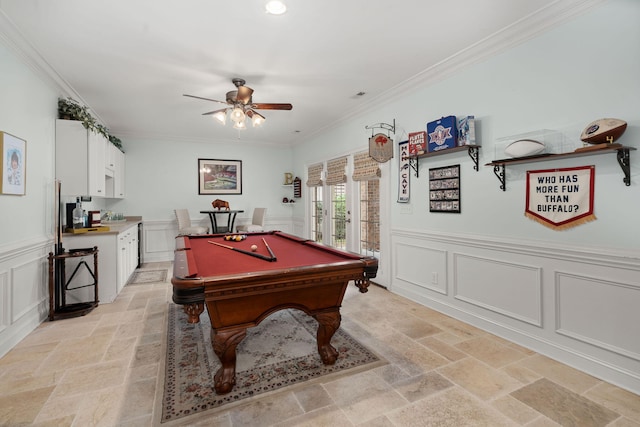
(524,147)
(603,131)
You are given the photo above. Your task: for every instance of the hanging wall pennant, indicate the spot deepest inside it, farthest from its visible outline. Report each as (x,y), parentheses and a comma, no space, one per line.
(404,173)
(561,198)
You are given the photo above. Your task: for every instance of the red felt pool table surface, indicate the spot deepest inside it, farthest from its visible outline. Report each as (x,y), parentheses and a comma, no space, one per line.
(210,259)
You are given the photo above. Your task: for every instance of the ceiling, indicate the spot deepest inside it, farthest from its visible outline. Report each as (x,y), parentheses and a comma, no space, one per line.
(131,61)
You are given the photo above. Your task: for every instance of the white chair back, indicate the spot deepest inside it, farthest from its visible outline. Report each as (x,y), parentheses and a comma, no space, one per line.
(257,221)
(184,224)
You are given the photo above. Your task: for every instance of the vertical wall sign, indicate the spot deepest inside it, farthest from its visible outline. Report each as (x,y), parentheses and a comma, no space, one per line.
(404,173)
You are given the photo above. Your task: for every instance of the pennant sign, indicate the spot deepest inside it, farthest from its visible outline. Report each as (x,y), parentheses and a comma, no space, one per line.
(380,148)
(404,173)
(561,198)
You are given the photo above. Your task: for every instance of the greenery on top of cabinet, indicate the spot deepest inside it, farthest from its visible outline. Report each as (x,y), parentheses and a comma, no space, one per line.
(70,109)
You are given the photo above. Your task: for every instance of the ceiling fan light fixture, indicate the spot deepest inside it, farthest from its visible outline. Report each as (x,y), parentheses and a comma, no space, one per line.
(237,115)
(240,125)
(276,7)
(257,119)
(221,116)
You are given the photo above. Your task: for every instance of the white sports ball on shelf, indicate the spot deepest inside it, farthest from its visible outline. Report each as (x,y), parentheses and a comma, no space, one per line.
(603,130)
(524,147)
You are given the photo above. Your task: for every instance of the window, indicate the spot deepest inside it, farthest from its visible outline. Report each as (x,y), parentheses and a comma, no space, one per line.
(316,214)
(370,217)
(338,216)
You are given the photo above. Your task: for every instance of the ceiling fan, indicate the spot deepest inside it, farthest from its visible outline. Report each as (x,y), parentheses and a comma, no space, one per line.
(240,105)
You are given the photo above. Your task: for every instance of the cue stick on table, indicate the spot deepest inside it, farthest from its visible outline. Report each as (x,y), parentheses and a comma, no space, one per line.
(269,249)
(262,257)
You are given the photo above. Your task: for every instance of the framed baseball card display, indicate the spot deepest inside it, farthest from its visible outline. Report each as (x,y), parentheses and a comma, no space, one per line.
(444,189)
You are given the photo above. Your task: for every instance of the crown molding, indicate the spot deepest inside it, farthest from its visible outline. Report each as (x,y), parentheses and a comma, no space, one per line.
(515,34)
(511,36)
(13,39)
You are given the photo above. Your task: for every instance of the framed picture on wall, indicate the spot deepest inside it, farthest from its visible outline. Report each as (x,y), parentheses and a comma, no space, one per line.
(217,176)
(444,189)
(14,164)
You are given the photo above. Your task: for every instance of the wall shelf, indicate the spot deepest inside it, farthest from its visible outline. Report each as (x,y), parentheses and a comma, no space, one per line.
(622,152)
(471,149)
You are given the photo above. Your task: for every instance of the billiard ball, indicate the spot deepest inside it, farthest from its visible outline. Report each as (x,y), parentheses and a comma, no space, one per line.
(254,248)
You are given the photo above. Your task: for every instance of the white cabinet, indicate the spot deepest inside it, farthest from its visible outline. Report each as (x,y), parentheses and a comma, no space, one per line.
(110,159)
(95,148)
(118,176)
(114,172)
(117,260)
(79,159)
(87,163)
(127,256)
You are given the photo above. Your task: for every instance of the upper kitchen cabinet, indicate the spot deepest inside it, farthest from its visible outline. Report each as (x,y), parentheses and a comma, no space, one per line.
(114,171)
(85,164)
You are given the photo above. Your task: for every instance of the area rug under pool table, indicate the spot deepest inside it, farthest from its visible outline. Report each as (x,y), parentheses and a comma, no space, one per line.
(278,353)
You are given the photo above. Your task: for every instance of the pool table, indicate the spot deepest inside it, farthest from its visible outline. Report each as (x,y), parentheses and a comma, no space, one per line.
(241,287)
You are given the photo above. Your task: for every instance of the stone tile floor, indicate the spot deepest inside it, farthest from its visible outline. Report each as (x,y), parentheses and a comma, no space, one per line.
(105,369)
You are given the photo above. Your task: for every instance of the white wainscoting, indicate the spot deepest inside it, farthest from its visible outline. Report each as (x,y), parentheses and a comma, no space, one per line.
(421,266)
(24,293)
(158,237)
(597,311)
(576,305)
(488,283)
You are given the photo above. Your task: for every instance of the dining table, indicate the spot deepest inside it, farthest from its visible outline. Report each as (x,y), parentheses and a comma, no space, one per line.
(231,219)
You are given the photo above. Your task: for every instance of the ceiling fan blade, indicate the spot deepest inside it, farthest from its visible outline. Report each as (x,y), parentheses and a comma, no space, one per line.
(213,112)
(272,106)
(206,99)
(244,94)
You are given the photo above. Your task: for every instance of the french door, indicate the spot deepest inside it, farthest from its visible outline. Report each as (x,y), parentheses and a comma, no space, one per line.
(339,216)
(347,215)
(350,216)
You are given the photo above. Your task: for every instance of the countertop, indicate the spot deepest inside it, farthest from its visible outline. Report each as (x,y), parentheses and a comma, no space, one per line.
(114,227)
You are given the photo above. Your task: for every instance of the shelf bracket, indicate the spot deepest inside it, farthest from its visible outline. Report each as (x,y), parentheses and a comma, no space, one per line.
(414,164)
(473,153)
(625,164)
(498,171)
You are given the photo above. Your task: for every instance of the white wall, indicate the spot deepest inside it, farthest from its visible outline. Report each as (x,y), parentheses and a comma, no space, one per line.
(27,110)
(163,175)
(567,294)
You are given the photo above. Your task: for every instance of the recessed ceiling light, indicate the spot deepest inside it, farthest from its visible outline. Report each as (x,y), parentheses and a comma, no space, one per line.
(276,7)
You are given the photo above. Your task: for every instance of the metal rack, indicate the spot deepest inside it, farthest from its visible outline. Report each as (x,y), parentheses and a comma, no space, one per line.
(59,284)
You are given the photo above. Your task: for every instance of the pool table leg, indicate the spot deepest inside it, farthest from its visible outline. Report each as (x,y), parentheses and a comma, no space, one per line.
(193,311)
(328,324)
(224,345)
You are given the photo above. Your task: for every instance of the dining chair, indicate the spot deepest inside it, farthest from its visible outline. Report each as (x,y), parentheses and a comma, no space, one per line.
(257,221)
(184,224)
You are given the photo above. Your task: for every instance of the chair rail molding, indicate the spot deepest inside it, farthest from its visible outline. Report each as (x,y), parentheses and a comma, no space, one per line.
(574,304)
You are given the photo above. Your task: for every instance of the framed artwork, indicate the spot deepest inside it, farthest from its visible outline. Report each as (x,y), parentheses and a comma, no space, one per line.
(217,176)
(14,164)
(444,189)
